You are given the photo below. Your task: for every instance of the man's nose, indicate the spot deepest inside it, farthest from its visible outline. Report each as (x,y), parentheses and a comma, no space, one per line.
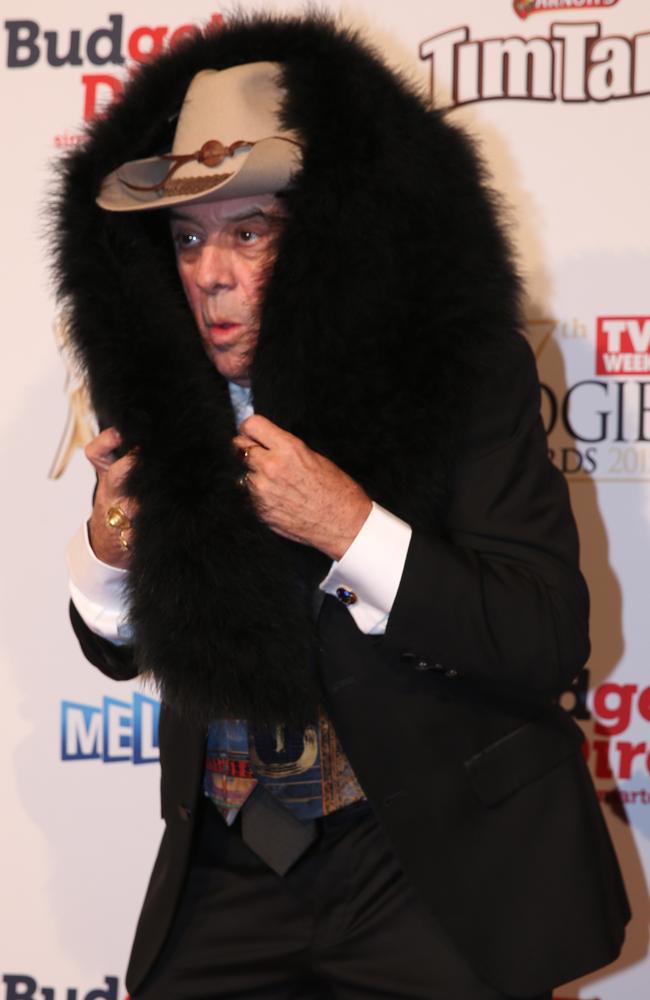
(214,269)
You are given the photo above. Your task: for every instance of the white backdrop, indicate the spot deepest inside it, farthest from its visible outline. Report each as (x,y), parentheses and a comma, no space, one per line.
(558,91)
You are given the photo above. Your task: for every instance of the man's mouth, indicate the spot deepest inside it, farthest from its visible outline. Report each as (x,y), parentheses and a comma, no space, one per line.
(225,324)
(222,328)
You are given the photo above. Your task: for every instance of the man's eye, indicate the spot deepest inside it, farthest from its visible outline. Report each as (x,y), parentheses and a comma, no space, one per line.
(248,235)
(185,241)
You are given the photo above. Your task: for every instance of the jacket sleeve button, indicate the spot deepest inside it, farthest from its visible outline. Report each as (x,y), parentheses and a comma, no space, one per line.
(451,673)
(346,596)
(184,812)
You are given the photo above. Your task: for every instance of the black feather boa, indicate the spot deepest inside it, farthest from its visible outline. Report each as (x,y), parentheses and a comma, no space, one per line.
(392,287)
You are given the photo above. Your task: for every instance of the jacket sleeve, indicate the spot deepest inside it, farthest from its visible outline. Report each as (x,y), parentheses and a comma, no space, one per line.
(114,661)
(498,599)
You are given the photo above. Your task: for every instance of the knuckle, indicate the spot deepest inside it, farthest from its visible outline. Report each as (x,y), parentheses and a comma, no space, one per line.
(272,467)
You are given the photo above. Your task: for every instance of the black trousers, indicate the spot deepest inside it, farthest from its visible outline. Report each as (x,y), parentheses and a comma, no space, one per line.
(342,924)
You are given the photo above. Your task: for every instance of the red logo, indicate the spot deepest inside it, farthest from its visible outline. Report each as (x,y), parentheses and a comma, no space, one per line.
(523,8)
(623,345)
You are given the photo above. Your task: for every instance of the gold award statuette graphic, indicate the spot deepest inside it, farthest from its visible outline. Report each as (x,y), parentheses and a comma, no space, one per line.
(80,425)
(539,333)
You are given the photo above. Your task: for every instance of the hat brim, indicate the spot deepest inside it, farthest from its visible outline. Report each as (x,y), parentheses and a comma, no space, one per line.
(265,168)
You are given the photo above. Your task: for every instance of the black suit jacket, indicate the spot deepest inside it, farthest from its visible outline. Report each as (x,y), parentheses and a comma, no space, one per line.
(452,724)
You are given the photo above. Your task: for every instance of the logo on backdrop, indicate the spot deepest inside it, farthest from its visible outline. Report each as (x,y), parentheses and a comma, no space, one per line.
(575,63)
(599,427)
(612,755)
(28,44)
(623,345)
(21,987)
(111,732)
(524,8)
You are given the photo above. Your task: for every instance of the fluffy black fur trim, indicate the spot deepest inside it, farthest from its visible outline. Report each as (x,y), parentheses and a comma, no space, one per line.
(392,288)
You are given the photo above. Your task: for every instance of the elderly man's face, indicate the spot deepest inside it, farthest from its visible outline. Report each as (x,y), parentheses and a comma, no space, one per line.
(224,251)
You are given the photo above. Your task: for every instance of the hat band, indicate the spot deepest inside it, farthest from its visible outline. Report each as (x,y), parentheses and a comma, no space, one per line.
(191,185)
(212,153)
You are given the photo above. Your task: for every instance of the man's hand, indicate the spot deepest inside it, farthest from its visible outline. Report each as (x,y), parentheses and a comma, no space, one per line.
(111,473)
(300,494)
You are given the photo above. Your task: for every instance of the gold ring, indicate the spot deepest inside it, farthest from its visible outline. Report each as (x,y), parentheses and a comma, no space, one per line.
(118,519)
(124,542)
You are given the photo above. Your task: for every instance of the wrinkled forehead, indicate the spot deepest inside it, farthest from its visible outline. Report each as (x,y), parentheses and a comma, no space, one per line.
(213,211)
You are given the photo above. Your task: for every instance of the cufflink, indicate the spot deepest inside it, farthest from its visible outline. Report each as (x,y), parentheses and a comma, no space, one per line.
(346,596)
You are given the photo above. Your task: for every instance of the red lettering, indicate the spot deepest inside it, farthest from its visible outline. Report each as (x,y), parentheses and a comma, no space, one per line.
(156,37)
(185,31)
(628,751)
(619,712)
(601,750)
(215,23)
(231,768)
(92,83)
(644,704)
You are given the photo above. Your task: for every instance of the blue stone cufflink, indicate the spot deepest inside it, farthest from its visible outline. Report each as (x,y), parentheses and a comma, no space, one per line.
(346,596)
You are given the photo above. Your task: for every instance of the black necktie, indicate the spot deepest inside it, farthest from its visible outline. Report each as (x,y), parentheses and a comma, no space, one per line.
(277,836)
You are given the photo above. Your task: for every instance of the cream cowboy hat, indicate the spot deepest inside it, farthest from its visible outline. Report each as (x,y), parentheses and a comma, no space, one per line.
(228,144)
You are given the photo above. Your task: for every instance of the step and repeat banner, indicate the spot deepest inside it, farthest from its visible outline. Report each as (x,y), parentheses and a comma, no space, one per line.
(558,94)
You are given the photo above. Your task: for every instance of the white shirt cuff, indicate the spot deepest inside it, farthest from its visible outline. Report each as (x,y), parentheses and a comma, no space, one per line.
(97,590)
(372,569)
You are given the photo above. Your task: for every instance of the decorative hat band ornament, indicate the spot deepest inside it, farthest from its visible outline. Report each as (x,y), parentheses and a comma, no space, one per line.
(241,100)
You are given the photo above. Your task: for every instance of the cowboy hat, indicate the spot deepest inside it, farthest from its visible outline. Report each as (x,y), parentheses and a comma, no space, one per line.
(229,143)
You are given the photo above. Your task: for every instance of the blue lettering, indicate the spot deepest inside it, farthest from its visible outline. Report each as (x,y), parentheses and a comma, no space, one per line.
(116,731)
(146,714)
(80,731)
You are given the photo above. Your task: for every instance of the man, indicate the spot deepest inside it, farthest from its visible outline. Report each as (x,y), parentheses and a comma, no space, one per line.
(326,524)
